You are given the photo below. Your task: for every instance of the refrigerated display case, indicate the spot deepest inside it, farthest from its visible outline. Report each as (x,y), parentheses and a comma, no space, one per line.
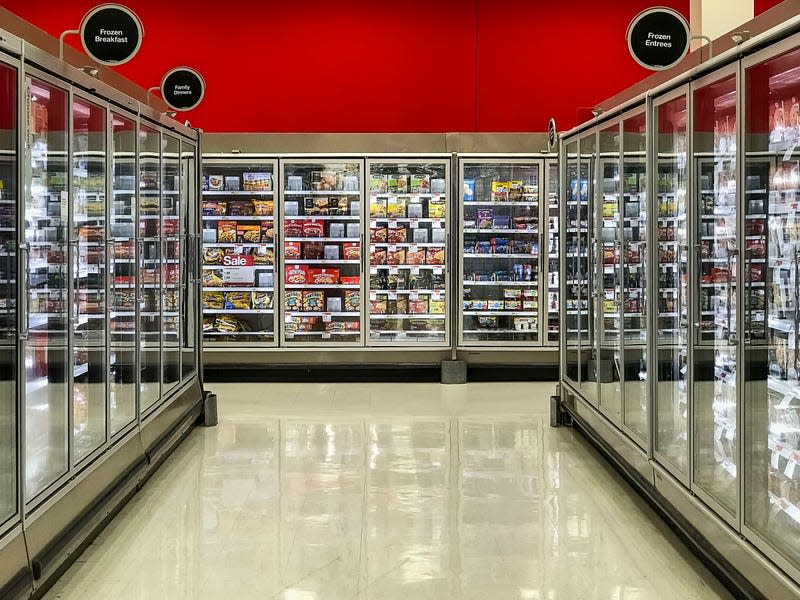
(553,270)
(322,241)
(409,212)
(239,251)
(500,262)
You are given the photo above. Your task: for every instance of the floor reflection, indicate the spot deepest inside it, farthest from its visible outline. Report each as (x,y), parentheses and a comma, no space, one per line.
(469,494)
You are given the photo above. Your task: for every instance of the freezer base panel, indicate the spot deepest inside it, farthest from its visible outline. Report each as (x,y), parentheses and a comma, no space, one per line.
(59,529)
(739,565)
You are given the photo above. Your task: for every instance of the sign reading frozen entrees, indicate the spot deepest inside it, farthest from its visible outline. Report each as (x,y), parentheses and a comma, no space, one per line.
(111,34)
(182,88)
(658,38)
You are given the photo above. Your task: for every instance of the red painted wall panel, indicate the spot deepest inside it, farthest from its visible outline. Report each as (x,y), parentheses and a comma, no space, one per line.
(369,66)
(760,6)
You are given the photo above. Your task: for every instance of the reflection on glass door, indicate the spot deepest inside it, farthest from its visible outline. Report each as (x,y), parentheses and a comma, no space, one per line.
(576,232)
(608,366)
(170,264)
(501,263)
(408,287)
(150,267)
(672,321)
(47,364)
(8,283)
(122,276)
(88,241)
(634,274)
(190,256)
(591,368)
(772,279)
(715,420)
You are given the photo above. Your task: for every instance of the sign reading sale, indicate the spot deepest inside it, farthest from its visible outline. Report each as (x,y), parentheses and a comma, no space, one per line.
(238,269)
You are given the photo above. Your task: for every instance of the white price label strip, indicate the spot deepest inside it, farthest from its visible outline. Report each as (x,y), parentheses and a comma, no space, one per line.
(326,317)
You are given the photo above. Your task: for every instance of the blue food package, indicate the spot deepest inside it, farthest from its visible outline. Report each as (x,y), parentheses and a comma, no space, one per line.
(483,247)
(469,190)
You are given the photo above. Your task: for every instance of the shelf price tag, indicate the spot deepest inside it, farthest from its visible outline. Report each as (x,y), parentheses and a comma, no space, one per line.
(413,295)
(238,249)
(413,223)
(438,270)
(326,335)
(394,271)
(393,224)
(373,270)
(326,317)
(790,468)
(436,295)
(413,248)
(373,295)
(392,295)
(415,270)
(436,224)
(392,248)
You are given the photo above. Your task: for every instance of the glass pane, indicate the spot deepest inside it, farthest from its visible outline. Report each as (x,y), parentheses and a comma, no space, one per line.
(45,262)
(8,306)
(89,276)
(672,394)
(122,281)
(322,248)
(187,210)
(238,223)
(150,270)
(170,264)
(772,265)
(609,364)
(590,246)
(715,426)
(501,252)
(408,244)
(553,281)
(576,235)
(634,272)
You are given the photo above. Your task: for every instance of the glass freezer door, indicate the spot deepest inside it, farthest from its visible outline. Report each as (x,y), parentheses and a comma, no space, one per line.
(122,276)
(671,440)
(553,272)
(46,316)
(409,224)
(8,307)
(170,264)
(322,245)
(500,261)
(89,274)
(149,257)
(190,248)
(772,318)
(715,391)
(575,234)
(593,262)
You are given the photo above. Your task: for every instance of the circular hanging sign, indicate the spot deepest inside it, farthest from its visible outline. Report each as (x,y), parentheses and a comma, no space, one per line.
(658,38)
(183,88)
(111,34)
(552,134)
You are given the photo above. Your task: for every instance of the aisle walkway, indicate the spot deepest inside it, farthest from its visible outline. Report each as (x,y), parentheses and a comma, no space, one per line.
(380,491)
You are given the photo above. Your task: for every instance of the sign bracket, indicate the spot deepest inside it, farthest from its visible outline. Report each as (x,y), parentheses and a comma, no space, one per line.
(61,41)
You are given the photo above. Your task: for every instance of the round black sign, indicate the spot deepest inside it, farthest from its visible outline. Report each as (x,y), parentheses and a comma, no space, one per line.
(658,38)
(552,135)
(111,34)
(183,88)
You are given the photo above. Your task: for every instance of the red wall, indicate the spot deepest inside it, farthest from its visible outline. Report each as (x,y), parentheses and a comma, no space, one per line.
(380,66)
(760,6)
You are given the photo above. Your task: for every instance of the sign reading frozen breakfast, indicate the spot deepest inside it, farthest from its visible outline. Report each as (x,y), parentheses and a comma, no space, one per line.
(111,34)
(658,38)
(182,88)
(238,269)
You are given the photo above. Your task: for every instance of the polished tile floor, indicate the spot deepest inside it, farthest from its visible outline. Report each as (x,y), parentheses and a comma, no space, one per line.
(381,491)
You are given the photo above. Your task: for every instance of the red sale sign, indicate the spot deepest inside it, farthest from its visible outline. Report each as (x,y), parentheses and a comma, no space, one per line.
(238,269)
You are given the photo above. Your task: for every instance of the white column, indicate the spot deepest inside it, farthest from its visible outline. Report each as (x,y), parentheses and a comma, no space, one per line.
(714,18)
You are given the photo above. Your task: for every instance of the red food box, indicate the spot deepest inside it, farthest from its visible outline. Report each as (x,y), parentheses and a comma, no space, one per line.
(296,274)
(292,249)
(351,251)
(351,280)
(323,276)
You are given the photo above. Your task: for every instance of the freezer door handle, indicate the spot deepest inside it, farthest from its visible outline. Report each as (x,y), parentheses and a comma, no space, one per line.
(24,331)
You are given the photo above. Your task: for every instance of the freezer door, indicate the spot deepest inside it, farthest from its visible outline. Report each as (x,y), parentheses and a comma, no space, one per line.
(150,268)
(715,426)
(122,274)
(576,232)
(608,366)
(89,274)
(550,298)
(772,290)
(170,264)
(9,189)
(671,437)
(322,248)
(189,205)
(238,262)
(500,254)
(592,368)
(46,279)
(634,275)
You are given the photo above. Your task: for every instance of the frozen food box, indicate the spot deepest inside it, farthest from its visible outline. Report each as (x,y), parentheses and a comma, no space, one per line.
(331,252)
(216,183)
(437,186)
(292,250)
(233,184)
(436,208)
(414,210)
(248,234)
(226,232)
(515,191)
(397,184)
(324,180)
(336,230)
(469,190)
(257,182)
(377,207)
(500,191)
(396,206)
(353,230)
(334,304)
(420,236)
(296,274)
(294,183)
(438,236)
(377,184)
(420,184)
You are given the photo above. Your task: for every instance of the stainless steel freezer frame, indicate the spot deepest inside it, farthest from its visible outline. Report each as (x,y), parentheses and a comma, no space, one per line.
(261,322)
(718,452)
(78,441)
